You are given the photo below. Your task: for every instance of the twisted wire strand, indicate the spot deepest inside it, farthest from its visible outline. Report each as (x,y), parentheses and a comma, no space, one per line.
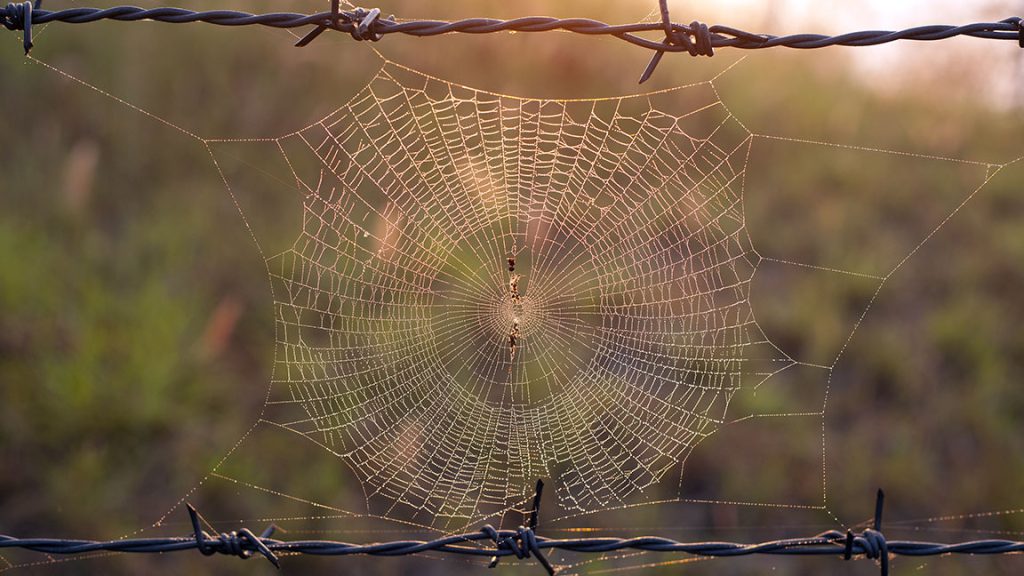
(523,543)
(516,543)
(695,38)
(721,36)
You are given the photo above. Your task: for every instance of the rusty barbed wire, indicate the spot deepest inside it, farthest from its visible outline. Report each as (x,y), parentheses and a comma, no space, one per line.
(524,543)
(695,39)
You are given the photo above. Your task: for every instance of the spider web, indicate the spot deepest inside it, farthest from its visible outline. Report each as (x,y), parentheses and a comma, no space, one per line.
(487,289)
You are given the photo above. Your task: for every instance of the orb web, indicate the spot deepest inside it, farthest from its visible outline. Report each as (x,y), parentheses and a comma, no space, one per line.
(490,289)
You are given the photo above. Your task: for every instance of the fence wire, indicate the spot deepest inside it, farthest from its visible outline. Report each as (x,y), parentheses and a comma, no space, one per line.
(524,543)
(696,38)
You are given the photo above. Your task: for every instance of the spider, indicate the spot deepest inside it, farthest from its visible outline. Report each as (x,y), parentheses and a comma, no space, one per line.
(513,288)
(513,342)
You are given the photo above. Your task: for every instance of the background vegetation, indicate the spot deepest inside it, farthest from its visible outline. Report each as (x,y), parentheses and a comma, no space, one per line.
(136,328)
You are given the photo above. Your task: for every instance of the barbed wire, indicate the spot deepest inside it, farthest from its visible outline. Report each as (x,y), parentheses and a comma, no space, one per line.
(696,39)
(523,543)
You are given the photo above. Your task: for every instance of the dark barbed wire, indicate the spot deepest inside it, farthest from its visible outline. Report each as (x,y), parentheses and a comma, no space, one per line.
(524,543)
(695,38)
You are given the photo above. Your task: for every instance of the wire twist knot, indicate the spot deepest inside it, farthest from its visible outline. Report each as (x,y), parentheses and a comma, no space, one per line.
(241,543)
(1019,23)
(366,29)
(871,542)
(699,45)
(696,39)
(523,544)
(18,16)
(361,24)
(874,544)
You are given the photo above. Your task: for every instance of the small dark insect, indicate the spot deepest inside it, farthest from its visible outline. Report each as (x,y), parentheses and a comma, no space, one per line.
(513,343)
(511,264)
(513,288)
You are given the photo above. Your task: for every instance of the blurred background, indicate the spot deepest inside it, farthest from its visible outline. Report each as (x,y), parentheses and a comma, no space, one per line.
(137,326)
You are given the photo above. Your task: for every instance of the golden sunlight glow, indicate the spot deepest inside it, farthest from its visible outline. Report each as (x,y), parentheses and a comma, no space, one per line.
(898,64)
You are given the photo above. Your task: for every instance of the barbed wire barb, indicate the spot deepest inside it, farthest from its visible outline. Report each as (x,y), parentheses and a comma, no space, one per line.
(335,20)
(525,542)
(18,16)
(695,39)
(233,543)
(700,45)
